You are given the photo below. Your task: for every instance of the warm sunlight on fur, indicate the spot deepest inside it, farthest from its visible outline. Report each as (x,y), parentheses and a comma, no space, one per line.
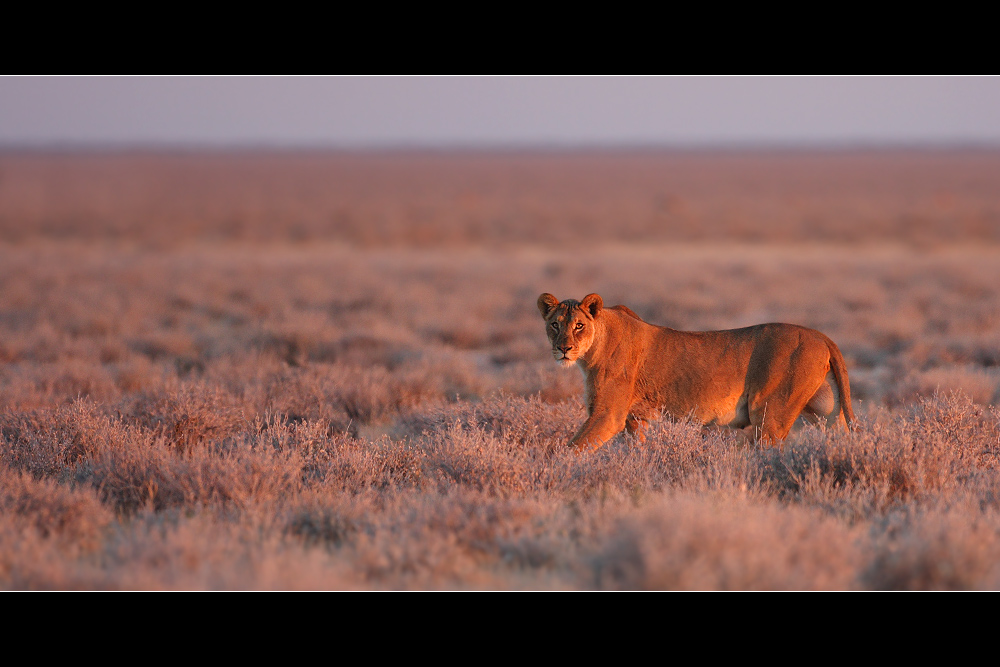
(758,379)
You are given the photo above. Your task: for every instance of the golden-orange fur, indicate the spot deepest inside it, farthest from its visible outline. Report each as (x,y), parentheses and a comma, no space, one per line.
(759,379)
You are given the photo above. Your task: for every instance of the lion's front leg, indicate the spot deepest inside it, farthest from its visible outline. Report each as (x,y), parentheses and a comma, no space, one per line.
(602,425)
(595,432)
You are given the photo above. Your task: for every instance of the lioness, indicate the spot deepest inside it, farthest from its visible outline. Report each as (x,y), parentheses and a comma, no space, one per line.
(758,379)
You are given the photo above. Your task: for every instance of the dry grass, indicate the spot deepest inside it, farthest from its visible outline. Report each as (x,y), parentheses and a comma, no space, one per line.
(327,371)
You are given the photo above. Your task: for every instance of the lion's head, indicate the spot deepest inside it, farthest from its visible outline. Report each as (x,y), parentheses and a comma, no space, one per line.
(570,325)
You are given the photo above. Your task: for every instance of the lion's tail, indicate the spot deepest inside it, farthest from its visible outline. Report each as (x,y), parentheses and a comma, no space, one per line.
(839,369)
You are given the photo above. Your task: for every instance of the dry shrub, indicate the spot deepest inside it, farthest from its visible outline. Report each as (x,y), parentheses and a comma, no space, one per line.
(550,383)
(199,549)
(505,445)
(29,561)
(147,471)
(49,533)
(134,374)
(330,520)
(930,450)
(529,421)
(953,546)
(684,541)
(48,443)
(347,396)
(346,464)
(62,382)
(186,414)
(478,460)
(464,540)
(72,517)
(163,460)
(681,452)
(979,384)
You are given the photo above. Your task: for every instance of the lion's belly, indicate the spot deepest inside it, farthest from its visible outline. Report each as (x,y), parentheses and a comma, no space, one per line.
(732,412)
(729,409)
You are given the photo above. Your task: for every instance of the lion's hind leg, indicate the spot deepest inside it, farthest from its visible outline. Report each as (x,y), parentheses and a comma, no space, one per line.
(636,426)
(772,417)
(824,405)
(793,383)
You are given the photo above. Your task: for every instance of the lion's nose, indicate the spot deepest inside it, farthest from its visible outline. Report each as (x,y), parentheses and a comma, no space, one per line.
(564,348)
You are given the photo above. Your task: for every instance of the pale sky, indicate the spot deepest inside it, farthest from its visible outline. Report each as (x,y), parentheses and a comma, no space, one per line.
(498,112)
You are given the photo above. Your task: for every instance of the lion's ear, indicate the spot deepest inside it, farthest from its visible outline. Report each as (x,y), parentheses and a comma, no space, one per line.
(546,303)
(592,302)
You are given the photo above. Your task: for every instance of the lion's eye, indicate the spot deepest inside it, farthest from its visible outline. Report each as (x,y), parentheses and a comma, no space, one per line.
(555,326)
(579,325)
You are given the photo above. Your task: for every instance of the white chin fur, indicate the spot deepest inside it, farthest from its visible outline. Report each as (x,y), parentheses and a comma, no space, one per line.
(566,363)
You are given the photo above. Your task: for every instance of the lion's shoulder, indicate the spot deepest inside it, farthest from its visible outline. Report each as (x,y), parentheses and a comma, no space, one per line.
(627,311)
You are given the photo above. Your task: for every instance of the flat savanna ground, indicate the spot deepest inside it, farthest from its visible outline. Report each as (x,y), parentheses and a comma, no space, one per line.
(327,371)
